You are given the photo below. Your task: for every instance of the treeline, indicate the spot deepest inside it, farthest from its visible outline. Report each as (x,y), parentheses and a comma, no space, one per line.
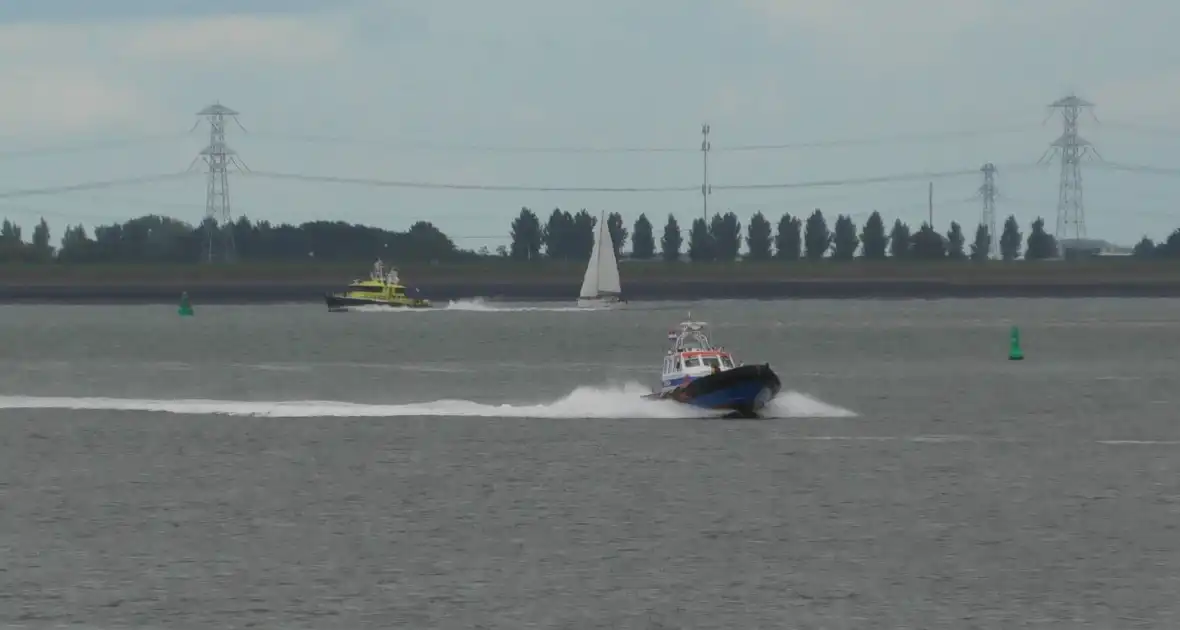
(563,236)
(570,237)
(161,239)
(1169,248)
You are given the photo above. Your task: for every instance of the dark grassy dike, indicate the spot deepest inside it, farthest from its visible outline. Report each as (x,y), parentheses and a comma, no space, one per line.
(264,282)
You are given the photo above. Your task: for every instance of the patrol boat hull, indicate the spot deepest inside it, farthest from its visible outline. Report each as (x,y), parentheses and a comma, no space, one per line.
(744,390)
(344,303)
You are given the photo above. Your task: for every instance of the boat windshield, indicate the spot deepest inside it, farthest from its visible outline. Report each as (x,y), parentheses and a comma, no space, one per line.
(693,341)
(712,362)
(361,288)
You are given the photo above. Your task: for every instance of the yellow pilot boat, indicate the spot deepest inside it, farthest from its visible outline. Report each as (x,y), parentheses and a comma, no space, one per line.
(380,290)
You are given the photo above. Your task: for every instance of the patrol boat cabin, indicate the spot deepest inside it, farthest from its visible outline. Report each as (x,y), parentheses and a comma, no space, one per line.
(692,356)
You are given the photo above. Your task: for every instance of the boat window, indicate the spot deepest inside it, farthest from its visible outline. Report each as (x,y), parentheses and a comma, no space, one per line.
(677,363)
(712,362)
(360,288)
(692,362)
(726,362)
(694,342)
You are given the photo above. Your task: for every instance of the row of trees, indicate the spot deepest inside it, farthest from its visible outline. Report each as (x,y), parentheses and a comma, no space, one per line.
(160,239)
(563,236)
(570,237)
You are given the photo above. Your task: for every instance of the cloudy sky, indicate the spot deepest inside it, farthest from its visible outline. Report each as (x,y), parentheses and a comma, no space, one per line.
(451,91)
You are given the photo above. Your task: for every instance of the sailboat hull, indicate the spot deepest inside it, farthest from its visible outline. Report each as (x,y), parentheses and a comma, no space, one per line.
(606,301)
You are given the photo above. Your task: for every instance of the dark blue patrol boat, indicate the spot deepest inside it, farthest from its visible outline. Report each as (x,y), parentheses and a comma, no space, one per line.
(699,374)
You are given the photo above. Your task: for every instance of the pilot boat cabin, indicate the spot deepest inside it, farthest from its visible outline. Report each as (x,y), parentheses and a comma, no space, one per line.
(693,356)
(379,286)
(375,290)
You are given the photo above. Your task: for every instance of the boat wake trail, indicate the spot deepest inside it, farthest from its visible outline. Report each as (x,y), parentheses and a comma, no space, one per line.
(474,305)
(479,305)
(378,308)
(583,402)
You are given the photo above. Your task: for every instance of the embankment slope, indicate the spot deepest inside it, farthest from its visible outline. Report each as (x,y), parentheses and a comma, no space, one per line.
(259,283)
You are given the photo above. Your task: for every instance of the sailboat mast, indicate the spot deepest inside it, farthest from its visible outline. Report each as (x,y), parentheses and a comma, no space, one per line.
(602,242)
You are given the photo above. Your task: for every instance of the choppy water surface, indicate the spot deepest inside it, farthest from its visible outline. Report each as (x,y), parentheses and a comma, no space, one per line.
(491,465)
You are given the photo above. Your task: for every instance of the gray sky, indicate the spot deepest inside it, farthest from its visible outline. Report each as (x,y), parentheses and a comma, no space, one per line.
(421,91)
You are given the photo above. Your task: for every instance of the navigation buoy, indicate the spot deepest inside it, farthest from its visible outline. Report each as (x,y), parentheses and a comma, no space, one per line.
(1014,351)
(186,307)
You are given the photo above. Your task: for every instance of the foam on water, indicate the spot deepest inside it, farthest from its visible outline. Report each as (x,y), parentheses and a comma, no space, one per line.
(377,308)
(480,305)
(474,305)
(583,402)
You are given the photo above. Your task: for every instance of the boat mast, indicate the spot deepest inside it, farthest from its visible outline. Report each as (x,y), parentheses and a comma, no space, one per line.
(604,240)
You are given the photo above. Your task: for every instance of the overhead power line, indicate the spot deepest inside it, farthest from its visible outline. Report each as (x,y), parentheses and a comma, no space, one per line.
(1137,168)
(110,183)
(383,183)
(861,181)
(396,144)
(898,139)
(879,179)
(92,146)
(1139,128)
(402,145)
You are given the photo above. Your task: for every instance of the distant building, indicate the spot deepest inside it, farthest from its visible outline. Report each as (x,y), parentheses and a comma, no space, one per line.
(1075,248)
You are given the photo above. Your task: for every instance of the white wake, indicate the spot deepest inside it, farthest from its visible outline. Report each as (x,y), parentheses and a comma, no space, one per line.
(583,402)
(480,305)
(477,305)
(378,308)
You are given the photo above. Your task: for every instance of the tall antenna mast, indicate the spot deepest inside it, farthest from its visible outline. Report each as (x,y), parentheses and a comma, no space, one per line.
(1071,216)
(988,192)
(218,157)
(930,203)
(706,189)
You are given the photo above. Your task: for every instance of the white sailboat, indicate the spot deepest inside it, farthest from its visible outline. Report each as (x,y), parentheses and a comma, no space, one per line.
(600,285)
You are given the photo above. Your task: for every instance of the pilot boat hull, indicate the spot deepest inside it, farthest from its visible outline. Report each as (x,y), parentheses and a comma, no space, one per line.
(343,303)
(744,390)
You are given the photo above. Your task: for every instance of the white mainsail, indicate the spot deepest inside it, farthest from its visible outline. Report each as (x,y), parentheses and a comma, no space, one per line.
(602,272)
(608,266)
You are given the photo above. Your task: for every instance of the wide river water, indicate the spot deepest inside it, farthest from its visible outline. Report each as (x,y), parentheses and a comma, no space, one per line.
(491,465)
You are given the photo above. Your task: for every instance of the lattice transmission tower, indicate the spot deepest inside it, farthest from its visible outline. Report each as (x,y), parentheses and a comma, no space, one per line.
(218,158)
(1071,148)
(988,193)
(706,189)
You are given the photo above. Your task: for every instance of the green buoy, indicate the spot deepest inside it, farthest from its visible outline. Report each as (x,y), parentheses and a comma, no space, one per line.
(186,307)
(1014,351)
